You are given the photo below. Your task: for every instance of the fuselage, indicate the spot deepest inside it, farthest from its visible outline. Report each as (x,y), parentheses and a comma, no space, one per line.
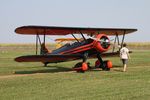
(77,48)
(90,46)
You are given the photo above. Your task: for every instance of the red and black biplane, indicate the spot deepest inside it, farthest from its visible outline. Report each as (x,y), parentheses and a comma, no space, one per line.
(94,47)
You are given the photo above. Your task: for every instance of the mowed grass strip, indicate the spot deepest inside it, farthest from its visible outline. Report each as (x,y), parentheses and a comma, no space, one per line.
(28,81)
(102,85)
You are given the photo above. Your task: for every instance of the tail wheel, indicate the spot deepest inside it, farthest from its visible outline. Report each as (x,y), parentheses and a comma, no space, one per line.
(80,67)
(45,64)
(97,64)
(107,65)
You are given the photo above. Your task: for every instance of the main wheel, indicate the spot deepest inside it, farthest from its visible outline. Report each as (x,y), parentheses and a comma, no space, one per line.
(107,65)
(81,67)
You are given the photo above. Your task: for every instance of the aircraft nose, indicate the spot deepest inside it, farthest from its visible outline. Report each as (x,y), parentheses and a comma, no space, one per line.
(103,43)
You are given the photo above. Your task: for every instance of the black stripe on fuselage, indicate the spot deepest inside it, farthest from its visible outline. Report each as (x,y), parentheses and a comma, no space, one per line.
(68,46)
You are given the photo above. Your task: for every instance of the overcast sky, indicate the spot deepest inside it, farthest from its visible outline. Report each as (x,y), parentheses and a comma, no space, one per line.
(74,13)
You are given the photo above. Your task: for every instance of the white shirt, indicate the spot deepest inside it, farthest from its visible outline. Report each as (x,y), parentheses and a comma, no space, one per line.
(124,53)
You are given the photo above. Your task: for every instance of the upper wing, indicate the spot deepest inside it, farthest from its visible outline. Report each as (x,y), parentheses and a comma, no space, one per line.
(47,58)
(54,30)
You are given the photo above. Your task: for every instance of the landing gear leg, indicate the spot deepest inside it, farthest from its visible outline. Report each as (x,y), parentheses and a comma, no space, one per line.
(105,65)
(82,66)
(45,64)
(85,56)
(101,61)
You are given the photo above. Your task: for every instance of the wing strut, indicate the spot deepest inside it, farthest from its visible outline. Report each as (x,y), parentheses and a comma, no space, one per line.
(117,39)
(123,38)
(38,41)
(83,36)
(44,36)
(75,38)
(114,44)
(36,44)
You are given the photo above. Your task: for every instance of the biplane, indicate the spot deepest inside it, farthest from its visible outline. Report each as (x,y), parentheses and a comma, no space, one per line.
(96,46)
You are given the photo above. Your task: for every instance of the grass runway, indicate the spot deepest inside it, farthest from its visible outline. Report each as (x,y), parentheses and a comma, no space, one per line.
(32,81)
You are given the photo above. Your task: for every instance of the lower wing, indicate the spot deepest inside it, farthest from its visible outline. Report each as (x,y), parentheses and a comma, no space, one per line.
(59,58)
(47,58)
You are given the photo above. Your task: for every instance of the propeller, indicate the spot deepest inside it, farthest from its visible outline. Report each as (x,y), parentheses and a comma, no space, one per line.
(104,41)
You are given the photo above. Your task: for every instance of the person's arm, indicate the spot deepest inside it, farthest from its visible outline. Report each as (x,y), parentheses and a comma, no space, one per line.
(128,55)
(120,54)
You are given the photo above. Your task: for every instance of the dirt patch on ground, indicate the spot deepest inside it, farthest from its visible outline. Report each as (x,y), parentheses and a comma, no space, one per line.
(18,75)
(34,74)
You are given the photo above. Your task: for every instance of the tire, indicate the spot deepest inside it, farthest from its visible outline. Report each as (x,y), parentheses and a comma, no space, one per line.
(107,65)
(80,67)
(97,64)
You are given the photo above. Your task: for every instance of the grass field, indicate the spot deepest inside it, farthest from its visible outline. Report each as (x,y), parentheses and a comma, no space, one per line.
(31,81)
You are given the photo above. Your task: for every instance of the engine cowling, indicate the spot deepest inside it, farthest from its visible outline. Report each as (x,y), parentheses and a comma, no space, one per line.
(102,43)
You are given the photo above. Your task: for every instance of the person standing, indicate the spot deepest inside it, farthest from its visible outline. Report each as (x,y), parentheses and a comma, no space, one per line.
(124,55)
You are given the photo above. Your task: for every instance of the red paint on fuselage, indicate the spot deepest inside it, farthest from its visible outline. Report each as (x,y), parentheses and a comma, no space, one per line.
(92,45)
